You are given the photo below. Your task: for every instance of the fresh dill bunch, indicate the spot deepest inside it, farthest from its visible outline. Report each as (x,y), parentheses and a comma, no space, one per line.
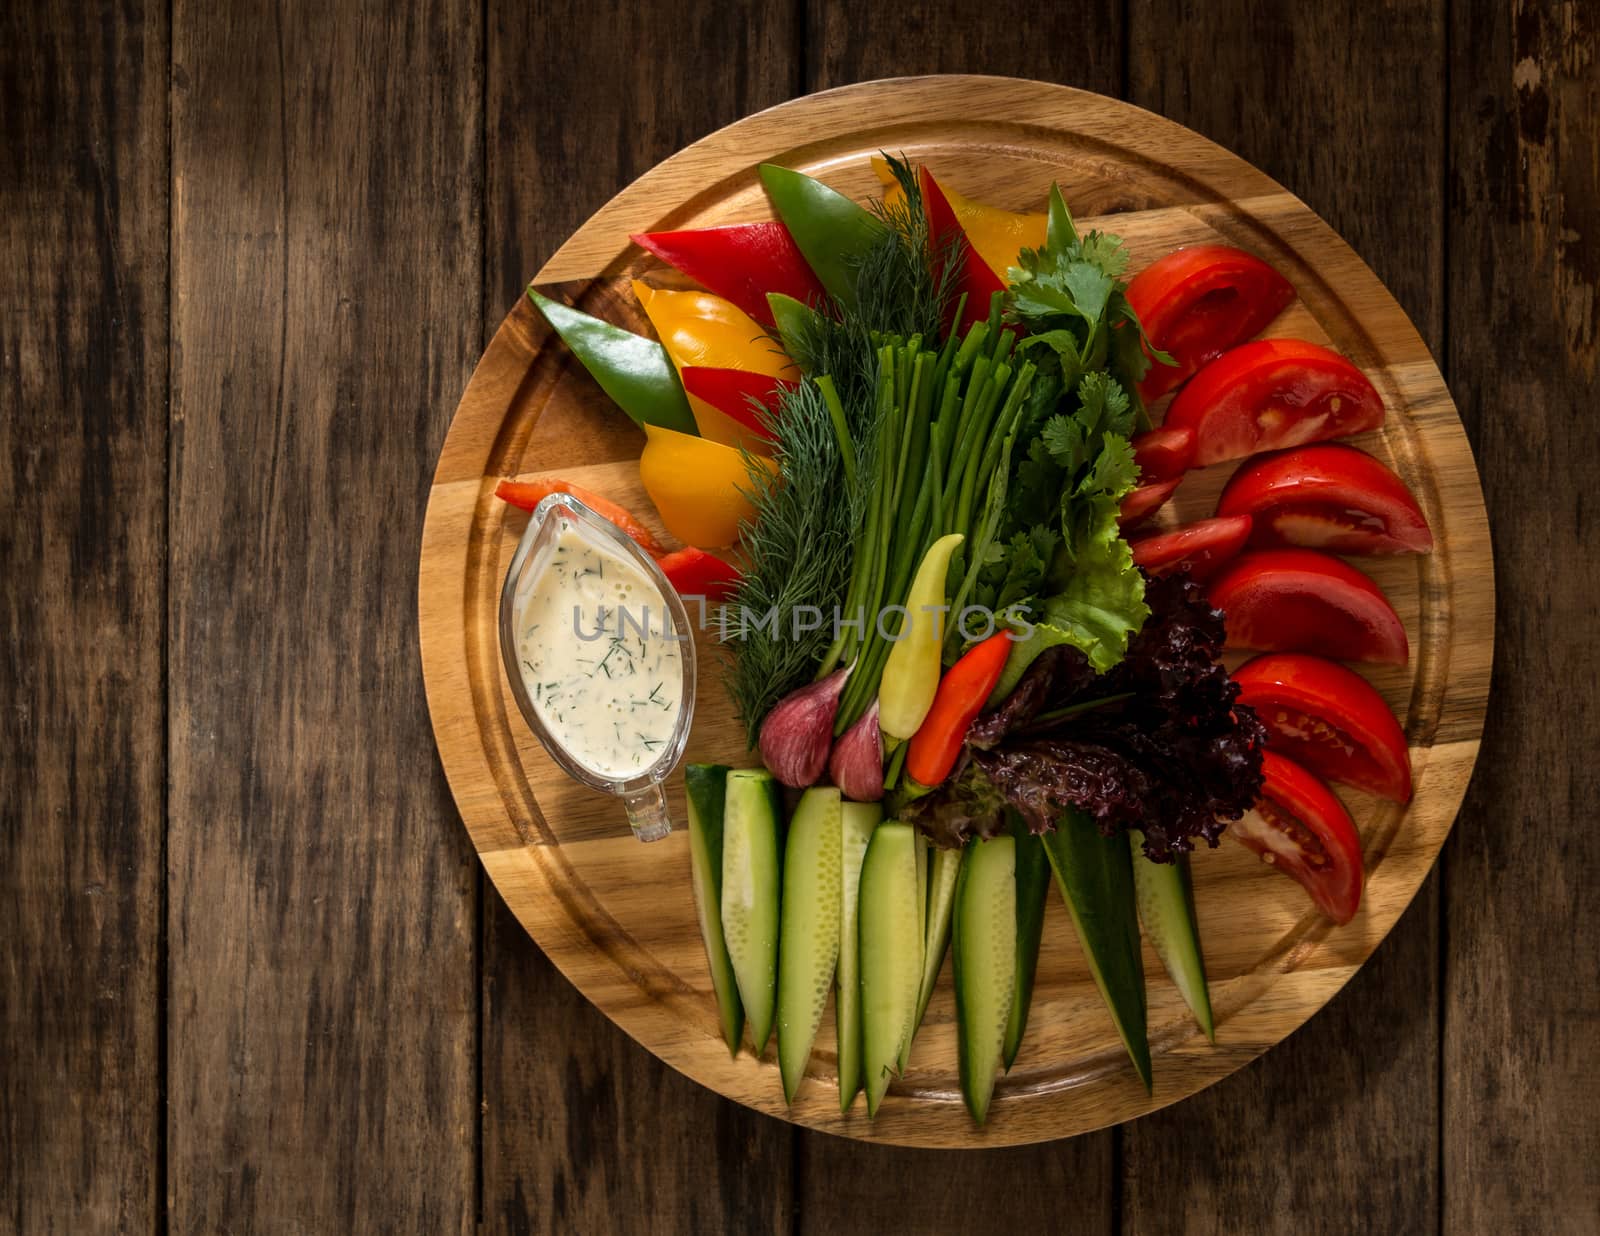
(798,553)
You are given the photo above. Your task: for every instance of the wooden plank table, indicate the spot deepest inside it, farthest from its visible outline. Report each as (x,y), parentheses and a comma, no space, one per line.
(250,976)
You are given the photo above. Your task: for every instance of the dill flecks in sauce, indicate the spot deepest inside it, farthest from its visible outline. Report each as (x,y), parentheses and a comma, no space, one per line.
(608,691)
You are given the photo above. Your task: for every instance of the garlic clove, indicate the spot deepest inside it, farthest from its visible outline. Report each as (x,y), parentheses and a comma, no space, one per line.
(797,734)
(856,764)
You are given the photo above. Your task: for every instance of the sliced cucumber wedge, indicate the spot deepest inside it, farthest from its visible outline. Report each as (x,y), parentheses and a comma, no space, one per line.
(1033,883)
(1166,908)
(946,867)
(919,845)
(752,863)
(808,935)
(1095,876)
(705,785)
(891,953)
(856,822)
(984,931)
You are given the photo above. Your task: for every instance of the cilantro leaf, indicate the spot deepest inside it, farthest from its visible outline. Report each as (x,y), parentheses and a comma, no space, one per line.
(1071,302)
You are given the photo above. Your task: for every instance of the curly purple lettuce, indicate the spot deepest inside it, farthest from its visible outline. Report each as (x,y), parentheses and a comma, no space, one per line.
(1157,743)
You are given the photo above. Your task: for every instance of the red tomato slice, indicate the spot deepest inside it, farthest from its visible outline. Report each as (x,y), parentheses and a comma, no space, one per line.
(1273,393)
(1163,453)
(1200,547)
(1331,497)
(1328,718)
(1299,600)
(1145,501)
(1198,302)
(1300,828)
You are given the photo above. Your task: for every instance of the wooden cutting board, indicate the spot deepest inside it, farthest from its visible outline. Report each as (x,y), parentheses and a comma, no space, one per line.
(617,916)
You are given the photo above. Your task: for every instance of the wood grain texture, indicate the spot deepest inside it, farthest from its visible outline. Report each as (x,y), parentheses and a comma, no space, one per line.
(840,1182)
(323,995)
(582,1130)
(1522,1000)
(1356,1090)
(83,383)
(616,916)
(1075,45)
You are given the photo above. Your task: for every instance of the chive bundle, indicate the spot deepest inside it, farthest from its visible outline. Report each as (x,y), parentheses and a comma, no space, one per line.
(944,425)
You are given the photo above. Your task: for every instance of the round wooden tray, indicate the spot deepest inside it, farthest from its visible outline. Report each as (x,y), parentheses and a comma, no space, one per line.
(617,916)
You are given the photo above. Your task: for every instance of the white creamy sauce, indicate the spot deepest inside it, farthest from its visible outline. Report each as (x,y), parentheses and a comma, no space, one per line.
(607,692)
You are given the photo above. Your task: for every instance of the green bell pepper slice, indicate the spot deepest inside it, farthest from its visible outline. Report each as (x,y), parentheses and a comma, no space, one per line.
(636,372)
(831,230)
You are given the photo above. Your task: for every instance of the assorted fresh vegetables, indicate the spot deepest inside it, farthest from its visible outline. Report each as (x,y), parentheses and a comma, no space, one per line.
(919,431)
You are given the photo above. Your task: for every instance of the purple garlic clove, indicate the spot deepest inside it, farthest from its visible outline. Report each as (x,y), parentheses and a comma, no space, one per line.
(856,764)
(798,732)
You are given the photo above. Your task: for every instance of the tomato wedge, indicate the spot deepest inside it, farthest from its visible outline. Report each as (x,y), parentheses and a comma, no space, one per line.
(1329,719)
(1145,501)
(1163,453)
(1300,828)
(1202,548)
(1300,600)
(1198,302)
(1273,393)
(1331,497)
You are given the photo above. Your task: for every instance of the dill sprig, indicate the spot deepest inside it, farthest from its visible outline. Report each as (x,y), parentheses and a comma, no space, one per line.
(798,552)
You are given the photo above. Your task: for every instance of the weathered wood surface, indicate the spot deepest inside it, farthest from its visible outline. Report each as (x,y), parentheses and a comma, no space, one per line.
(323,1004)
(1521,955)
(83,466)
(614,915)
(1331,100)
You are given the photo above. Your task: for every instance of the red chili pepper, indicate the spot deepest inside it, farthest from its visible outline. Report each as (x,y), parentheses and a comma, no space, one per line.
(976,279)
(729,391)
(959,699)
(695,573)
(528,494)
(742,262)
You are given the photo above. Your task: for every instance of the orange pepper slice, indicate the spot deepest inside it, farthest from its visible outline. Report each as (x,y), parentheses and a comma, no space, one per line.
(699,329)
(698,486)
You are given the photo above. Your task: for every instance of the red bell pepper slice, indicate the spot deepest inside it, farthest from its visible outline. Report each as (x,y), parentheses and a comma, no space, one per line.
(742,262)
(528,494)
(976,279)
(730,391)
(957,702)
(695,573)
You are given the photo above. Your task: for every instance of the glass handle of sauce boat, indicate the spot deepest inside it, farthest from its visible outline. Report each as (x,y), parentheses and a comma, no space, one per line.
(647,812)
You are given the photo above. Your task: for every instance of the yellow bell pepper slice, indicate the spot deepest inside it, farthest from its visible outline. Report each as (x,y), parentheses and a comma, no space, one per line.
(698,486)
(996,235)
(697,328)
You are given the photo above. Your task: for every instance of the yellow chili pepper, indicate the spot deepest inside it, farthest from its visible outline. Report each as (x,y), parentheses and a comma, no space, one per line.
(911,674)
(698,486)
(699,329)
(997,235)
